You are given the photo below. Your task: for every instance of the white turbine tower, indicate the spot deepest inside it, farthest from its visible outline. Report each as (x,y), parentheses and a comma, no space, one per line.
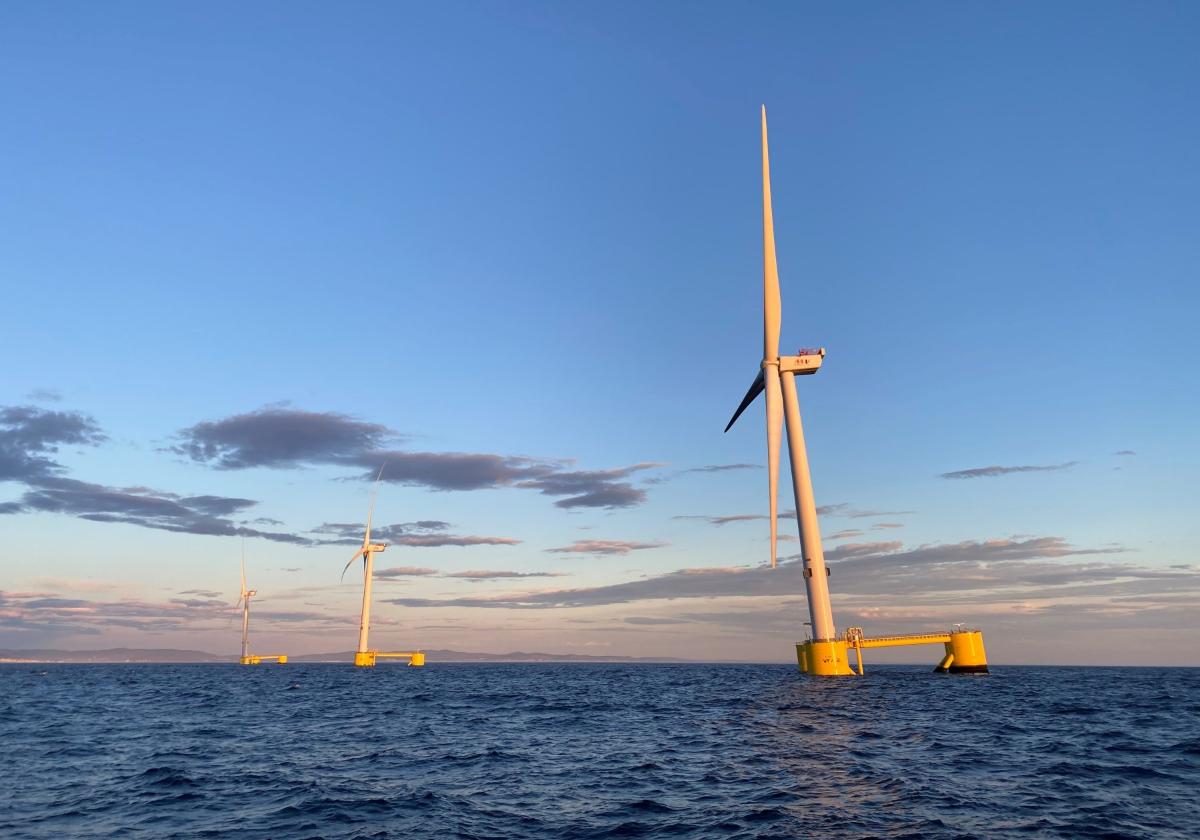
(367,553)
(777,376)
(244,602)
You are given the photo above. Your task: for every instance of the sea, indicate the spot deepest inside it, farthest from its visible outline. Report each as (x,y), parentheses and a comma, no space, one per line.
(595,751)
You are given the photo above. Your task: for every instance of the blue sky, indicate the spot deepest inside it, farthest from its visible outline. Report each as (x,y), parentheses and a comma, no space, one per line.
(533,231)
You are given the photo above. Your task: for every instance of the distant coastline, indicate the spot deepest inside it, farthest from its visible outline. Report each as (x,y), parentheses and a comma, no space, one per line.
(172,656)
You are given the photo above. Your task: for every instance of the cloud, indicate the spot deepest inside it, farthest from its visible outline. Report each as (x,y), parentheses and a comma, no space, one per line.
(286,438)
(280,438)
(146,508)
(28,435)
(451,470)
(839,510)
(879,526)
(44,395)
(843,509)
(425,533)
(32,611)
(200,602)
(966,572)
(439,540)
(405,571)
(867,514)
(989,472)
(845,535)
(472,575)
(649,620)
(706,469)
(592,488)
(604,547)
(1125,452)
(481,574)
(725,520)
(720,468)
(203,593)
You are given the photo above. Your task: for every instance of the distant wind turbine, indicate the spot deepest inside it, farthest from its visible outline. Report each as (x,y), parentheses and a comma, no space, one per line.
(244,603)
(364,656)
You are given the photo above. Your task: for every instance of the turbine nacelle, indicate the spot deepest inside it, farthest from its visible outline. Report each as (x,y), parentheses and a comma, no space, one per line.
(808,362)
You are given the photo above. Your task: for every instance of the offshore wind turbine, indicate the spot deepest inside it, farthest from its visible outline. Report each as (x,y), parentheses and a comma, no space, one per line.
(367,553)
(244,602)
(363,655)
(777,377)
(825,654)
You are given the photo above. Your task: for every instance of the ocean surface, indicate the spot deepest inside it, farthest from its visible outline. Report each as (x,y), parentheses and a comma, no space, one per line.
(595,751)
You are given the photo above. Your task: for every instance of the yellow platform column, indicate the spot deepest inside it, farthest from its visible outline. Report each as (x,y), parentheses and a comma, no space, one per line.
(967,652)
(364,659)
(824,658)
(282,659)
(417,660)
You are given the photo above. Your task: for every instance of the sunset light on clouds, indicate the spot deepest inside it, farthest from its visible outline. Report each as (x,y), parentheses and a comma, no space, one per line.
(530,286)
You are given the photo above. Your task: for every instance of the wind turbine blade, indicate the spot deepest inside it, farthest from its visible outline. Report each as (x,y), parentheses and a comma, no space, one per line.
(772,306)
(371,509)
(774,438)
(243,567)
(756,388)
(236,606)
(357,554)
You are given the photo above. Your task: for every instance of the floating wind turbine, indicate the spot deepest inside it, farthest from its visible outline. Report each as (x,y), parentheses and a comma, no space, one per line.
(824,654)
(367,553)
(364,656)
(777,377)
(244,603)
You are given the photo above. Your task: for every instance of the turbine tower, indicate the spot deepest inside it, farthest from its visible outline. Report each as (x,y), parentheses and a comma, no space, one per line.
(363,655)
(824,654)
(367,553)
(244,602)
(777,376)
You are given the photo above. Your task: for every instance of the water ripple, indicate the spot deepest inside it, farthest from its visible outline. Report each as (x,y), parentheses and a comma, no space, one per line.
(595,751)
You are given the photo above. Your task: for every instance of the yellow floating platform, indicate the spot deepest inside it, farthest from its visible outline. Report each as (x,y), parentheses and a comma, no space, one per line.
(965,653)
(260,658)
(366,658)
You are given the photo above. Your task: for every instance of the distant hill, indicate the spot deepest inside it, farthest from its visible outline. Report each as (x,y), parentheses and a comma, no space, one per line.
(169,655)
(432,656)
(112,655)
